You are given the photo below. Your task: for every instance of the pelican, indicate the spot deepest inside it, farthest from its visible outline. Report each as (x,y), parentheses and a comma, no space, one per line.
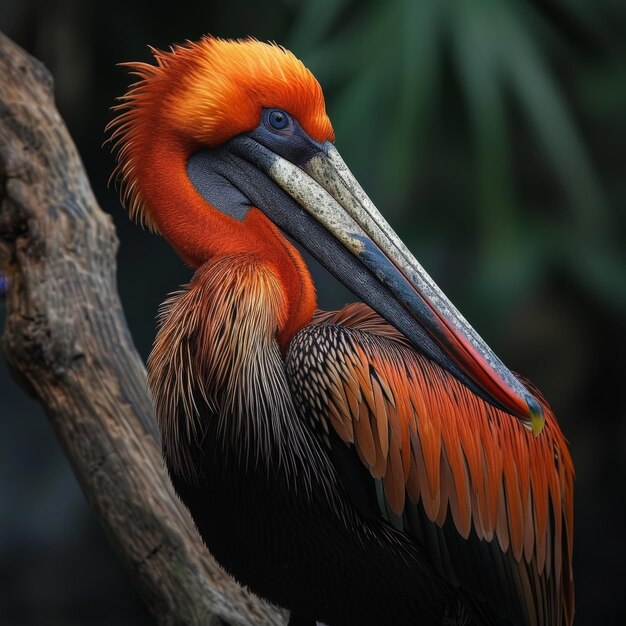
(373,465)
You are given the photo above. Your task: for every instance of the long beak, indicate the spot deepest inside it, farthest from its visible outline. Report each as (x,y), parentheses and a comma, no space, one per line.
(385,275)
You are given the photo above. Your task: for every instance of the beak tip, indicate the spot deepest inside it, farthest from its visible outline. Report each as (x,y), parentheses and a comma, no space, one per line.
(537,415)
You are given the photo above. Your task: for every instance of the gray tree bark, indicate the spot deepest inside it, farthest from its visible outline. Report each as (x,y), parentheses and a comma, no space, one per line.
(67,342)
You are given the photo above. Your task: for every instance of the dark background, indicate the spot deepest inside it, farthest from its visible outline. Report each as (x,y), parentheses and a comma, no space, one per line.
(491,133)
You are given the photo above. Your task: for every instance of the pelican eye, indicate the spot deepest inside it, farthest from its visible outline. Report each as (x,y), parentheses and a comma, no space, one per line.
(278,120)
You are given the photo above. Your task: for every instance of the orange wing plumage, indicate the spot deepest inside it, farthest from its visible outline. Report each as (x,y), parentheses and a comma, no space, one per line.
(491,503)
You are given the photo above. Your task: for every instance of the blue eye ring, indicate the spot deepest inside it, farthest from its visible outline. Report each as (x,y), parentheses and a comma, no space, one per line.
(278,120)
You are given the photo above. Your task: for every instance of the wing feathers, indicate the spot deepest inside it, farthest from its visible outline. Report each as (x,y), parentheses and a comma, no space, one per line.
(363,437)
(383,420)
(491,503)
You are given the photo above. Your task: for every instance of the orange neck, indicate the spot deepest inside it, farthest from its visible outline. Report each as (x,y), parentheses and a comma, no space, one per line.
(292,271)
(198,232)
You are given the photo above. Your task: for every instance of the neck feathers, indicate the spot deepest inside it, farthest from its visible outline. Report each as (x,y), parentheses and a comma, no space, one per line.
(216,359)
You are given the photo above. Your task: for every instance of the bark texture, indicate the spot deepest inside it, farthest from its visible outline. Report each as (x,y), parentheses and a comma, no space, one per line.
(67,342)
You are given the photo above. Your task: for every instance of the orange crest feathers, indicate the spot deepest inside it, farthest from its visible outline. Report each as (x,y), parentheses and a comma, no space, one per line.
(200,95)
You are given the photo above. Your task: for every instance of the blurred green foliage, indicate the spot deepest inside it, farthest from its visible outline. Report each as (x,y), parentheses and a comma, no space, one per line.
(473,122)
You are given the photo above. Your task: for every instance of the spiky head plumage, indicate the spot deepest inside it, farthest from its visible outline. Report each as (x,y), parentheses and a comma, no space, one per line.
(200,95)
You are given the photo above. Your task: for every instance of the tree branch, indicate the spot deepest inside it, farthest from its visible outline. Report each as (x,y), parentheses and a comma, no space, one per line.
(67,342)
